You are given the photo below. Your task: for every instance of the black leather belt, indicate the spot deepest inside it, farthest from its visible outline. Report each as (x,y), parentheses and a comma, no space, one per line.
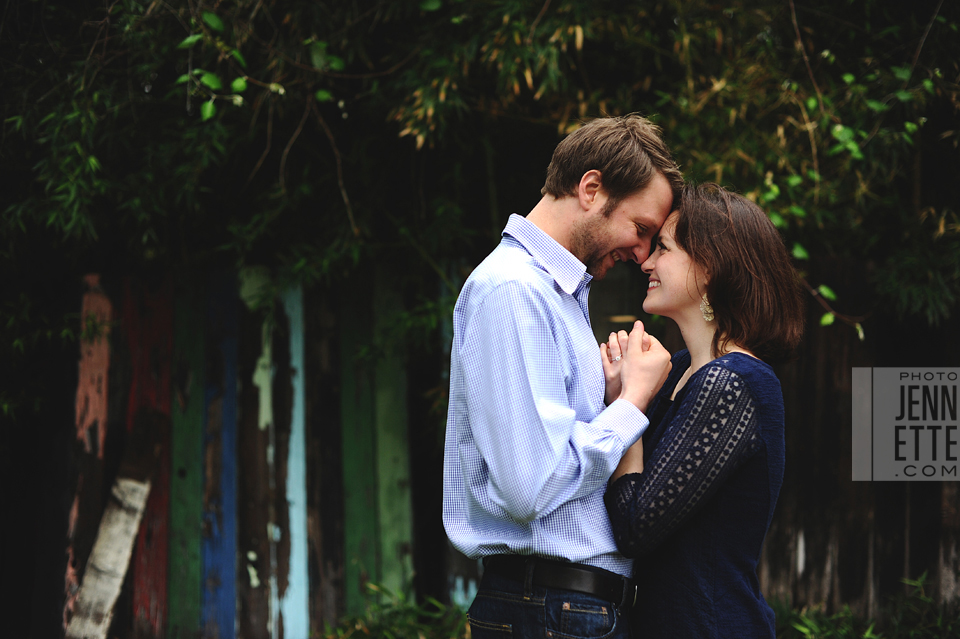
(550,573)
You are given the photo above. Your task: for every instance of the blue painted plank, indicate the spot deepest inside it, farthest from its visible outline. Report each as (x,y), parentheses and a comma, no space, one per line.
(218,611)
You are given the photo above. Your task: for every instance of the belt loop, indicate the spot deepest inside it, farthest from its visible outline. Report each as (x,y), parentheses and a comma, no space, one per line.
(529,567)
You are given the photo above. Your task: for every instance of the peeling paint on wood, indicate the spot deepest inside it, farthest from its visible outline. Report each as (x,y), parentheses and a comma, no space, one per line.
(295,598)
(186,457)
(147,322)
(109,560)
(96,313)
(219,543)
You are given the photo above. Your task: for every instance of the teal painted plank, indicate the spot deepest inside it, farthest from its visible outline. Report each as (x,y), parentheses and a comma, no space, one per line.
(186,457)
(294,603)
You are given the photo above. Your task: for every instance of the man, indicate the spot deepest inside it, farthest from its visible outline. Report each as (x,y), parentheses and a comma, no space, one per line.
(530,445)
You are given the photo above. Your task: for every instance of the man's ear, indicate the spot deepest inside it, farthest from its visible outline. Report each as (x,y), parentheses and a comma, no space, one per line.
(589,189)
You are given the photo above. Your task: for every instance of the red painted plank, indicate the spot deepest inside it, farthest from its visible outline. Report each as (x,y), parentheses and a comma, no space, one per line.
(148,324)
(96,313)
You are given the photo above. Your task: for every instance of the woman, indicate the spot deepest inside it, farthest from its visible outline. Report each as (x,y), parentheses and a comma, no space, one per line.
(699,489)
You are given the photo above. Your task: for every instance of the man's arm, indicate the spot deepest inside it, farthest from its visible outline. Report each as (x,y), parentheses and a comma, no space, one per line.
(538,455)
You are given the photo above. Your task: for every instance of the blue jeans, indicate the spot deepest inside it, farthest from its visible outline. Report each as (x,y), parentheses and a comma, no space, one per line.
(502,609)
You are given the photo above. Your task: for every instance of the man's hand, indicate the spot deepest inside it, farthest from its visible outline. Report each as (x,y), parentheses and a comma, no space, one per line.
(644,365)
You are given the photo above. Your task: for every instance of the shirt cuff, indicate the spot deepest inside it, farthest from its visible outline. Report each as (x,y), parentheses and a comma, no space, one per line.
(626,420)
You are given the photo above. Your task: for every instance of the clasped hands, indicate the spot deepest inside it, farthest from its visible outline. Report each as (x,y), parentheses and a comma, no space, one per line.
(635,366)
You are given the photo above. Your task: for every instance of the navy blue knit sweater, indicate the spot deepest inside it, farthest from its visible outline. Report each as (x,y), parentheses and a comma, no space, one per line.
(696,517)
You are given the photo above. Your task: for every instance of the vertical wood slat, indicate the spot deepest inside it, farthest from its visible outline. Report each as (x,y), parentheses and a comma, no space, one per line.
(96,314)
(324,461)
(360,514)
(294,601)
(392,456)
(253,447)
(186,482)
(218,613)
(148,325)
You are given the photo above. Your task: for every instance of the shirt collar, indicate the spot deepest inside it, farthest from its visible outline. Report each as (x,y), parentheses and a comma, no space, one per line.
(561,264)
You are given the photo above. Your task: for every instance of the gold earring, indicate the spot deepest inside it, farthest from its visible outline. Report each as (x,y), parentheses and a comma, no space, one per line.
(705,309)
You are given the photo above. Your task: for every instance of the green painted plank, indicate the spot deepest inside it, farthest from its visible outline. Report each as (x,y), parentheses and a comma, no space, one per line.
(393,458)
(186,481)
(359,454)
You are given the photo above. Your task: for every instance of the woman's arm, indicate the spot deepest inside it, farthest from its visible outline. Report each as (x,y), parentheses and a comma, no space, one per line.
(713,431)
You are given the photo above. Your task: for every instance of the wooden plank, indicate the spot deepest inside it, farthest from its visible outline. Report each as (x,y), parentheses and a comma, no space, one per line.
(254,493)
(186,481)
(218,613)
(110,557)
(324,462)
(148,324)
(360,512)
(393,457)
(294,599)
(96,314)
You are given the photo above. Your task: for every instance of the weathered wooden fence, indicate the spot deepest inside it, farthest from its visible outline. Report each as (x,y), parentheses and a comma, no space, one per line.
(288,475)
(267,513)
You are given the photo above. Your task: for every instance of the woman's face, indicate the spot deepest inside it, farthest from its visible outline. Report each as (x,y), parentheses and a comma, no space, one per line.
(676,283)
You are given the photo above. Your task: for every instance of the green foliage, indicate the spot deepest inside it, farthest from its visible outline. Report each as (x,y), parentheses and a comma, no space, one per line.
(313,137)
(914,615)
(393,616)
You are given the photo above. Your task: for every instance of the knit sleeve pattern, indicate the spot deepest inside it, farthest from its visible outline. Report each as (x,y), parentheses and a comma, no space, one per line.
(709,435)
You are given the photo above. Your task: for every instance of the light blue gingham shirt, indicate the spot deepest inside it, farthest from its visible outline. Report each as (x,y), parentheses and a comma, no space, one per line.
(529,444)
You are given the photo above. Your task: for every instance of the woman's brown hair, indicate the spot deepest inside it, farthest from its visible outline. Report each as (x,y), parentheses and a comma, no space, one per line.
(751,284)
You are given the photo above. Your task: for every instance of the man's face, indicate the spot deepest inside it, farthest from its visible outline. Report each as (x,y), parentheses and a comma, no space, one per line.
(604,237)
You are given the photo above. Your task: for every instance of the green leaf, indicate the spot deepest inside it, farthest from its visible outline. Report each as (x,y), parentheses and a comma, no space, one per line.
(777,220)
(189,41)
(827,319)
(798,211)
(211,80)
(904,96)
(842,133)
(430,5)
(207,110)
(876,105)
(827,292)
(799,252)
(910,127)
(323,95)
(862,337)
(94,163)
(928,85)
(811,103)
(335,63)
(213,21)
(901,73)
(183,78)
(848,78)
(239,85)
(794,180)
(239,58)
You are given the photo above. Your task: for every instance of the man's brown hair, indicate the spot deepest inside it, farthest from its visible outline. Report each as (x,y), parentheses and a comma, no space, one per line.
(751,284)
(627,150)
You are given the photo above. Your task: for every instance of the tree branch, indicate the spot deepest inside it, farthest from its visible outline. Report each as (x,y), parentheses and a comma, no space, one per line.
(806,60)
(336,154)
(293,138)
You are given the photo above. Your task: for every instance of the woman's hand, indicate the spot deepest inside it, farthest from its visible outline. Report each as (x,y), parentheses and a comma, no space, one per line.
(611,354)
(645,366)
